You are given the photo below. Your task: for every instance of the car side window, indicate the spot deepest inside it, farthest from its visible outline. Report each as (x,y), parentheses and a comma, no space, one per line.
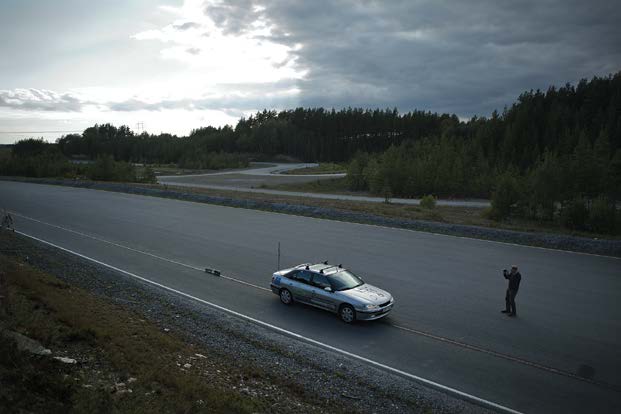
(293,274)
(321,281)
(304,276)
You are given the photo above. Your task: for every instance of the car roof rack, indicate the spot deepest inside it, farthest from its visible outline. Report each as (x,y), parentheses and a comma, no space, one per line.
(321,267)
(339,266)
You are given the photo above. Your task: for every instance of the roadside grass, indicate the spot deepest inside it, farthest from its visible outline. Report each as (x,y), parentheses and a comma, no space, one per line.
(473,216)
(111,345)
(323,168)
(325,186)
(173,169)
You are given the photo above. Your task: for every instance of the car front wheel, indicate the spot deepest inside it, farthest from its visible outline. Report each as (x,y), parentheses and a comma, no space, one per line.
(347,313)
(285,297)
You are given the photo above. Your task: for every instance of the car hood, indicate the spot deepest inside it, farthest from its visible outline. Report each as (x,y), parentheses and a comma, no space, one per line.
(368,294)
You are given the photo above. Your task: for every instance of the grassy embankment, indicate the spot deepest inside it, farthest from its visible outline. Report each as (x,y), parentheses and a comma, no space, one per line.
(454,215)
(124,363)
(173,169)
(324,168)
(323,186)
(445,214)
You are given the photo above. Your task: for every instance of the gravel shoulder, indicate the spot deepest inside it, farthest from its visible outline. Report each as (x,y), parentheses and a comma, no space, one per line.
(607,247)
(252,360)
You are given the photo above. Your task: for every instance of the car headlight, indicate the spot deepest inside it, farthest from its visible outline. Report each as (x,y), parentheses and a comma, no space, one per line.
(372,306)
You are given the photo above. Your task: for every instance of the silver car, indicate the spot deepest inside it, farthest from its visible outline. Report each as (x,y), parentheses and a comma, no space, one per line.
(333,288)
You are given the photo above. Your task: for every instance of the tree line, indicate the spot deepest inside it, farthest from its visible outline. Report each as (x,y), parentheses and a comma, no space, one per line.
(550,152)
(309,134)
(554,121)
(551,156)
(37,158)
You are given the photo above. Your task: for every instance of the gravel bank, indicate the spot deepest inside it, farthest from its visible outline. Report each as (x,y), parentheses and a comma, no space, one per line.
(553,241)
(333,378)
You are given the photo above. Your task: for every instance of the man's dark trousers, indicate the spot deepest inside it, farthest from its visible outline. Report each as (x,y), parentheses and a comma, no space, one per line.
(510,301)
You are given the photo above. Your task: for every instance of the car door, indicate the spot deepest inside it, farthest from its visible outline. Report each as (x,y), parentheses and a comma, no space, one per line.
(321,297)
(301,285)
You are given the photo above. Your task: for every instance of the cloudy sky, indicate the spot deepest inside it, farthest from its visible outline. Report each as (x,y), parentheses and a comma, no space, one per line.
(175,65)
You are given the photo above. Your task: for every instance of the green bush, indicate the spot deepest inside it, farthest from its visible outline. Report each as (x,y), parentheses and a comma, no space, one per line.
(575,214)
(106,169)
(602,216)
(386,192)
(544,188)
(213,160)
(148,175)
(356,179)
(42,165)
(505,196)
(428,202)
(373,177)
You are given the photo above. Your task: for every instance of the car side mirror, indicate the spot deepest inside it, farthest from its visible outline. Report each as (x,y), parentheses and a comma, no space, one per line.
(328,289)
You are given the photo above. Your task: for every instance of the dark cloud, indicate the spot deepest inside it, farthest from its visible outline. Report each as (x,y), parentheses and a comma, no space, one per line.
(234,17)
(463,57)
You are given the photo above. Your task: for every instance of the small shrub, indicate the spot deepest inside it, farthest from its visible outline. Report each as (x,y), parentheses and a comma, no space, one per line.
(428,202)
(105,168)
(505,196)
(487,213)
(386,192)
(602,216)
(195,159)
(575,214)
(148,175)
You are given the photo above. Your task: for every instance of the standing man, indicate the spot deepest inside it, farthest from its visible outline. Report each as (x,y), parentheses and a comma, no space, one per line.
(514,277)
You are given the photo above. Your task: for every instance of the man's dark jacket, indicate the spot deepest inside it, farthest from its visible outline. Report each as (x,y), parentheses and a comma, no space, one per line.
(514,280)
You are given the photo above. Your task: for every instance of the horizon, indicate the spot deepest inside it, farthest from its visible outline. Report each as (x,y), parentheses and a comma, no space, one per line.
(171,66)
(233,125)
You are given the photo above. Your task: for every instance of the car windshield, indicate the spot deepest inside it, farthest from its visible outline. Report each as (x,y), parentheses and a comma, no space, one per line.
(344,280)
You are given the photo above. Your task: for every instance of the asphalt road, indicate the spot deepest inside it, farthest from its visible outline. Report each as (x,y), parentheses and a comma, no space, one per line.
(253,179)
(446,326)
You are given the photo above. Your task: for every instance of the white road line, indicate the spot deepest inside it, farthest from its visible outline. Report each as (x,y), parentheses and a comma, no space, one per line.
(106,241)
(165,259)
(415,331)
(460,394)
